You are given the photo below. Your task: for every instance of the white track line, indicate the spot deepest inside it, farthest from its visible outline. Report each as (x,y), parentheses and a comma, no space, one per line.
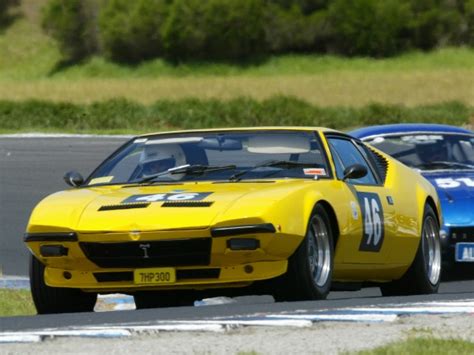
(367,317)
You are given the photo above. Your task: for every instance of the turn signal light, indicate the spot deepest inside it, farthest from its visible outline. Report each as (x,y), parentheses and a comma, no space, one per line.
(243,244)
(53,250)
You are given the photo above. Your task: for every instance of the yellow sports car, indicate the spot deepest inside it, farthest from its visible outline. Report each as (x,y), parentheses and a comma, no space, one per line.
(286,211)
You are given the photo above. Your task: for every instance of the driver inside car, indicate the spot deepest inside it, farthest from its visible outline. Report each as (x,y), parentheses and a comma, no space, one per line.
(156,158)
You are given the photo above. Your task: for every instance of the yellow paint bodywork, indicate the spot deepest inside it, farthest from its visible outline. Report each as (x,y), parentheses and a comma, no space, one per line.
(285,203)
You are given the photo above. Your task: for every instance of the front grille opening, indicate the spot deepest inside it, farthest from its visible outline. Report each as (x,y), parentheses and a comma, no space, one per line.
(113,276)
(461,234)
(193,274)
(142,254)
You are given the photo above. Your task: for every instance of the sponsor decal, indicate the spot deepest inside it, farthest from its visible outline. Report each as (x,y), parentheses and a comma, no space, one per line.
(173,197)
(422,138)
(450,183)
(373,221)
(314,171)
(140,140)
(101,180)
(355,210)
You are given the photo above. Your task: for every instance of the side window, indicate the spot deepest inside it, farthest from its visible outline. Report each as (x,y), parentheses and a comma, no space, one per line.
(345,154)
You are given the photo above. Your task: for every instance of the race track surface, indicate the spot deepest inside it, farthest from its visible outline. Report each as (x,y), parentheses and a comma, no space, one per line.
(246,306)
(31,168)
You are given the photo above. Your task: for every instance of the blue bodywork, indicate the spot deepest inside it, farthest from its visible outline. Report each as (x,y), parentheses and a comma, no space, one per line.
(383,130)
(455,187)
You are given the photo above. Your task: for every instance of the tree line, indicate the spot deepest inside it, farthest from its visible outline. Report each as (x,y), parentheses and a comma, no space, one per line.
(242,30)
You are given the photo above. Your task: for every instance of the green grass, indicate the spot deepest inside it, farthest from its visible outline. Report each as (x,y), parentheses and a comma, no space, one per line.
(443,59)
(28,59)
(27,53)
(429,345)
(122,116)
(16,303)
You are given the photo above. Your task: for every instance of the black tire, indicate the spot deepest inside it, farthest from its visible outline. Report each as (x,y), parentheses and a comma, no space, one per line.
(309,277)
(49,300)
(424,274)
(162,299)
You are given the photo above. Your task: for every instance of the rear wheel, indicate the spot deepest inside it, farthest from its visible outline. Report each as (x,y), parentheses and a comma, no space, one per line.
(310,268)
(423,276)
(57,299)
(160,299)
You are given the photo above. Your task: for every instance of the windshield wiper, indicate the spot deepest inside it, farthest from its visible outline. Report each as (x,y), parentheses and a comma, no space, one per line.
(196,169)
(444,164)
(284,164)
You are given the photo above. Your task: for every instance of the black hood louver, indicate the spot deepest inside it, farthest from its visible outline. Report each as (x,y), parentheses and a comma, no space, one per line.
(187,204)
(124,206)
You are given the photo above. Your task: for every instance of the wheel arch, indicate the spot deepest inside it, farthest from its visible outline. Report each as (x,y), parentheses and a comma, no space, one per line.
(332,218)
(430,202)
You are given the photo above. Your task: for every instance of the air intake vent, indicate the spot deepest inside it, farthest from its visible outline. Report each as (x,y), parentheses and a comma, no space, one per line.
(124,206)
(187,204)
(179,252)
(382,165)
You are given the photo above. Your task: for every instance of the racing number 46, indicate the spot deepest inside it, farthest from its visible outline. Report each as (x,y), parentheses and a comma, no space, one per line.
(373,223)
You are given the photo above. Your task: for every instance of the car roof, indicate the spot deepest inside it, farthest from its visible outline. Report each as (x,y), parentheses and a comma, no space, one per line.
(391,129)
(240,129)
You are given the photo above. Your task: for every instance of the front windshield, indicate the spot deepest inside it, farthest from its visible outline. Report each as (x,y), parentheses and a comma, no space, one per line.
(231,156)
(429,151)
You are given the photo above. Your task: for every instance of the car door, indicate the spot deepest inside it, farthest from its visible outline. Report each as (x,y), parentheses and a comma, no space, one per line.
(370,239)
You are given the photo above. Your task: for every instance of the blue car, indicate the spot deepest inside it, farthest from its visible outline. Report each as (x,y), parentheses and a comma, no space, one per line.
(445,156)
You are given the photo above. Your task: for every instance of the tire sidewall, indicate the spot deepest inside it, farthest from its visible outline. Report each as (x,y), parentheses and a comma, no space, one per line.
(316,291)
(423,272)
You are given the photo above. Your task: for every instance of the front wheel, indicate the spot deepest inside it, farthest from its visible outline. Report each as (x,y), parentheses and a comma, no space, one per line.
(423,276)
(310,268)
(57,299)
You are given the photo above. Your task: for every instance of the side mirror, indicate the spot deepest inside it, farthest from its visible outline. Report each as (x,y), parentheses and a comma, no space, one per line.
(355,171)
(73,178)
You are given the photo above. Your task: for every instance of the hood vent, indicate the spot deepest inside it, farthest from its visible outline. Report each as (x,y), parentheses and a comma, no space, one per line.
(124,206)
(187,204)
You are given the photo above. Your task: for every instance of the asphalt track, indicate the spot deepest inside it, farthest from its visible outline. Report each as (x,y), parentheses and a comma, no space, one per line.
(31,168)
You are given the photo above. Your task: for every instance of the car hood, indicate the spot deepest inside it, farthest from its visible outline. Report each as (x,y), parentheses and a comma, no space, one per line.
(456,192)
(154,207)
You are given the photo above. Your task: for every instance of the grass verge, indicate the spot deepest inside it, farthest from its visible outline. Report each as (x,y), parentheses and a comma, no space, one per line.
(427,346)
(337,88)
(16,303)
(29,70)
(122,116)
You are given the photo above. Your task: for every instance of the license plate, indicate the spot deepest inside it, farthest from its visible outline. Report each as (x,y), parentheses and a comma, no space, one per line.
(465,252)
(162,275)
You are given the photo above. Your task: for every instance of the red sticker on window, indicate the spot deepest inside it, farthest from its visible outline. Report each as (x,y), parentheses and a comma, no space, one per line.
(314,171)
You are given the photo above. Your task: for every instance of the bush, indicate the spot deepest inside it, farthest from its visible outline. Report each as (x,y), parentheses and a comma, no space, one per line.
(289,30)
(234,29)
(306,6)
(72,24)
(368,27)
(427,27)
(214,29)
(123,115)
(184,32)
(6,16)
(130,31)
(469,16)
